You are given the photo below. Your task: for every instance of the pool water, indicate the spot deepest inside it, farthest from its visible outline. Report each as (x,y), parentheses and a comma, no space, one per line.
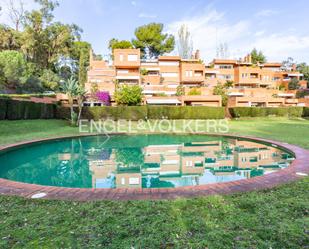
(141,161)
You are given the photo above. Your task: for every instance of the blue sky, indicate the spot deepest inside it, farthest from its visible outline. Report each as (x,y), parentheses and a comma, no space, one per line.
(278,28)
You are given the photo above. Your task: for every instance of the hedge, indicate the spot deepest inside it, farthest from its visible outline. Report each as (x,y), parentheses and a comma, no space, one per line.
(15,109)
(237,112)
(147,112)
(306,112)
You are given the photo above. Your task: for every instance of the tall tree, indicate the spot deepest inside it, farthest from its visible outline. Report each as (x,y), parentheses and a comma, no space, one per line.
(222,51)
(80,54)
(150,37)
(288,64)
(16,12)
(13,69)
(115,43)
(257,57)
(304,69)
(185,44)
(9,38)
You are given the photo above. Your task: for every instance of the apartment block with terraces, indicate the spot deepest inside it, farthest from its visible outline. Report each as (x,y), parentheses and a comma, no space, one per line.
(162,78)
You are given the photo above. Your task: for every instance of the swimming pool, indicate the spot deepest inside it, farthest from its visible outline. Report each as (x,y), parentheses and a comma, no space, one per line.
(141,161)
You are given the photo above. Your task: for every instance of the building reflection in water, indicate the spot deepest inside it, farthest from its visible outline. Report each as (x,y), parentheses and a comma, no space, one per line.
(183,164)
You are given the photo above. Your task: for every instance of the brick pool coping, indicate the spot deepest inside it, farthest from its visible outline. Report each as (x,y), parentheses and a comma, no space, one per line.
(298,168)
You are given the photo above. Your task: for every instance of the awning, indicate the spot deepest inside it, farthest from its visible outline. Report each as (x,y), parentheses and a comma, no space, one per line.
(295,74)
(235,94)
(128,77)
(163,101)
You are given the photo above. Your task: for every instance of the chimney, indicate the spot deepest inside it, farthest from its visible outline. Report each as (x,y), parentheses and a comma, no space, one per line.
(249,58)
(197,54)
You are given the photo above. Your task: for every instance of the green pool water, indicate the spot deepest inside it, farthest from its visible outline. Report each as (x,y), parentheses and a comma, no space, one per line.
(140,161)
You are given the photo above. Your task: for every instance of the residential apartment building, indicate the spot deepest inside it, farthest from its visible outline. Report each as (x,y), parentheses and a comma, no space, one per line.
(162,78)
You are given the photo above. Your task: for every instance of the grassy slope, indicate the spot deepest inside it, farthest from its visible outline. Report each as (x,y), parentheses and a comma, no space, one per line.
(275,218)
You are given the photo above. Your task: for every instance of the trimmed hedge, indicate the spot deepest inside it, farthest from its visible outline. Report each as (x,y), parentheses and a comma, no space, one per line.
(3,109)
(306,112)
(147,112)
(238,112)
(15,109)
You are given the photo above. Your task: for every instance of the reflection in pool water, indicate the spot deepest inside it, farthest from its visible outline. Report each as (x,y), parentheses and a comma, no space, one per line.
(141,161)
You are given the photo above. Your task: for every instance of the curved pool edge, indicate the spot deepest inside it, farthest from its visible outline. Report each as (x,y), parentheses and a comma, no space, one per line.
(299,167)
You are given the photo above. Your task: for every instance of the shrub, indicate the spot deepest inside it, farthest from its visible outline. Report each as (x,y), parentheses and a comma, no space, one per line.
(104,97)
(195,91)
(3,108)
(150,112)
(306,112)
(203,112)
(237,112)
(128,95)
(115,113)
(28,110)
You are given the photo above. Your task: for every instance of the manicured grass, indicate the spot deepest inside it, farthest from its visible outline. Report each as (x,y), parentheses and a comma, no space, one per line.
(276,218)
(24,130)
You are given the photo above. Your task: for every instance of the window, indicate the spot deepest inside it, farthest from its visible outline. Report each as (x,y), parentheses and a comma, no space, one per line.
(198,73)
(225,76)
(121,57)
(224,66)
(133,181)
(244,75)
(122,71)
(171,74)
(189,73)
(132,57)
(189,163)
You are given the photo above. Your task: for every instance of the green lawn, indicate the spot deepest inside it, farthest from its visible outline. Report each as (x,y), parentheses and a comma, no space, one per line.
(276,218)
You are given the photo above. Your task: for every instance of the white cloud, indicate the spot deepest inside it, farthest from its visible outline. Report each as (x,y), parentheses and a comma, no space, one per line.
(281,46)
(266,12)
(211,28)
(133,3)
(147,15)
(259,33)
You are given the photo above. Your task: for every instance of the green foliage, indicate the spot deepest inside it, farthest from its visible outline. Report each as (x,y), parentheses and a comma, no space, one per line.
(80,54)
(151,37)
(15,110)
(49,79)
(74,90)
(302,93)
(304,69)
(43,44)
(229,84)
(144,71)
(115,43)
(220,89)
(82,72)
(3,108)
(128,95)
(195,91)
(238,112)
(9,38)
(180,90)
(13,68)
(294,84)
(257,57)
(148,112)
(306,112)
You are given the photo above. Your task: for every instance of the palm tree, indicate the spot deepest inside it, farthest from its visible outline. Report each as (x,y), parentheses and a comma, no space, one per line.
(80,94)
(70,88)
